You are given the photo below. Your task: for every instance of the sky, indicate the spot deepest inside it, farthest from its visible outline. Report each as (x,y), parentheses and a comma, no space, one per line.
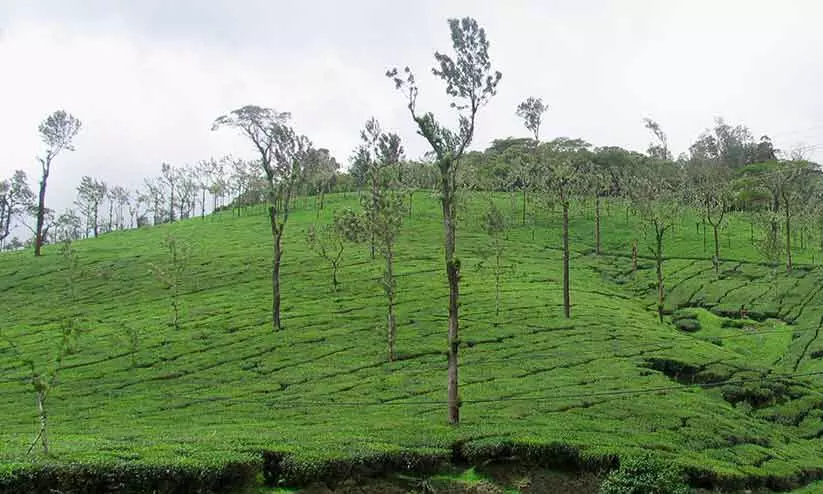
(148,77)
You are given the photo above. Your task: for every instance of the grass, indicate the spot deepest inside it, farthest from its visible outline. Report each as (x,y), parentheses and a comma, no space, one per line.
(224,387)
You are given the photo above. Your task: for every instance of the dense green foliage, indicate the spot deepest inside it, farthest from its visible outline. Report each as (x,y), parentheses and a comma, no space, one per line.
(321,395)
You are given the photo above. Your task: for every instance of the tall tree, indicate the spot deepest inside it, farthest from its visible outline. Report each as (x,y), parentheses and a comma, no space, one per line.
(384,210)
(16,198)
(283,154)
(470,82)
(57,132)
(565,163)
(655,193)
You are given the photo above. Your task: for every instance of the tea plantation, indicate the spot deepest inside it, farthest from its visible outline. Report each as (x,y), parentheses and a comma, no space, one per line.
(224,402)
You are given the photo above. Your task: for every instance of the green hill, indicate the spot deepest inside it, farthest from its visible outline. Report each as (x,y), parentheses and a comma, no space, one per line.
(735,402)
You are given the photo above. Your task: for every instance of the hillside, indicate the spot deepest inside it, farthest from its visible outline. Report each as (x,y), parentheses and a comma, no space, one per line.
(610,381)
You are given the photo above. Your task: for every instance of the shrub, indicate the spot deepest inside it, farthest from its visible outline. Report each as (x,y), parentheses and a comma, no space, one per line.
(644,475)
(688,325)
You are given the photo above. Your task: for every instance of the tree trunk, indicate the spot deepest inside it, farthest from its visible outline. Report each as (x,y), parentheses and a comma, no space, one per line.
(453,275)
(597,225)
(524,205)
(704,235)
(41,213)
(392,324)
(411,203)
(659,258)
(44,432)
(276,233)
(95,226)
(634,258)
(716,248)
(497,274)
(566,297)
(203,204)
(788,240)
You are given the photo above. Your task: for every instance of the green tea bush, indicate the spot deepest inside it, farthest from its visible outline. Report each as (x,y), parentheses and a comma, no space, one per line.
(644,475)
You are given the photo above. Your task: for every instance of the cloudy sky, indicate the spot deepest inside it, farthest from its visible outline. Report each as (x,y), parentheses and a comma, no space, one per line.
(147,77)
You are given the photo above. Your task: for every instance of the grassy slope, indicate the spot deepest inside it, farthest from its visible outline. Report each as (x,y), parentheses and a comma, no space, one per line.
(225,386)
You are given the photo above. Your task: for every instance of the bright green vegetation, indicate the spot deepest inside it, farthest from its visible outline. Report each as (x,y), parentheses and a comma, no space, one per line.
(610,381)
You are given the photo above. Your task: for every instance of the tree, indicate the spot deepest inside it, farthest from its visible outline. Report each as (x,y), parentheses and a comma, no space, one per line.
(283,154)
(470,82)
(170,273)
(565,162)
(15,199)
(654,191)
(494,224)
(90,194)
(660,149)
(711,186)
(57,132)
(328,242)
(43,375)
(68,226)
(319,175)
(384,209)
(168,178)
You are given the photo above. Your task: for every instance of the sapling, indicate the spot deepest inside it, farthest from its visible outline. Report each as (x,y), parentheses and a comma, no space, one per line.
(495,225)
(170,273)
(328,243)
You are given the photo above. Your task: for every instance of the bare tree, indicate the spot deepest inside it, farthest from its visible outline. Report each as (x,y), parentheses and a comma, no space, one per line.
(283,154)
(470,82)
(57,132)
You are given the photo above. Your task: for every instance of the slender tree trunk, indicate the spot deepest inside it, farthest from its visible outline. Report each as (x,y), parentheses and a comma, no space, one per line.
(41,212)
(659,258)
(788,240)
(597,225)
(497,278)
(634,258)
(453,275)
(716,248)
(524,205)
(95,225)
(44,432)
(276,233)
(704,235)
(203,204)
(411,203)
(566,297)
(392,324)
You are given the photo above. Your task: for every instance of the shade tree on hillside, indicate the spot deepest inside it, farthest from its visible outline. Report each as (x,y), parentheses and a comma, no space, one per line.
(564,171)
(57,132)
(384,209)
(655,192)
(531,110)
(283,153)
(16,198)
(170,273)
(319,176)
(90,196)
(471,83)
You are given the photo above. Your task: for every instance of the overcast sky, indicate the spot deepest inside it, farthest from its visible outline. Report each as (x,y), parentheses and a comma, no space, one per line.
(148,77)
